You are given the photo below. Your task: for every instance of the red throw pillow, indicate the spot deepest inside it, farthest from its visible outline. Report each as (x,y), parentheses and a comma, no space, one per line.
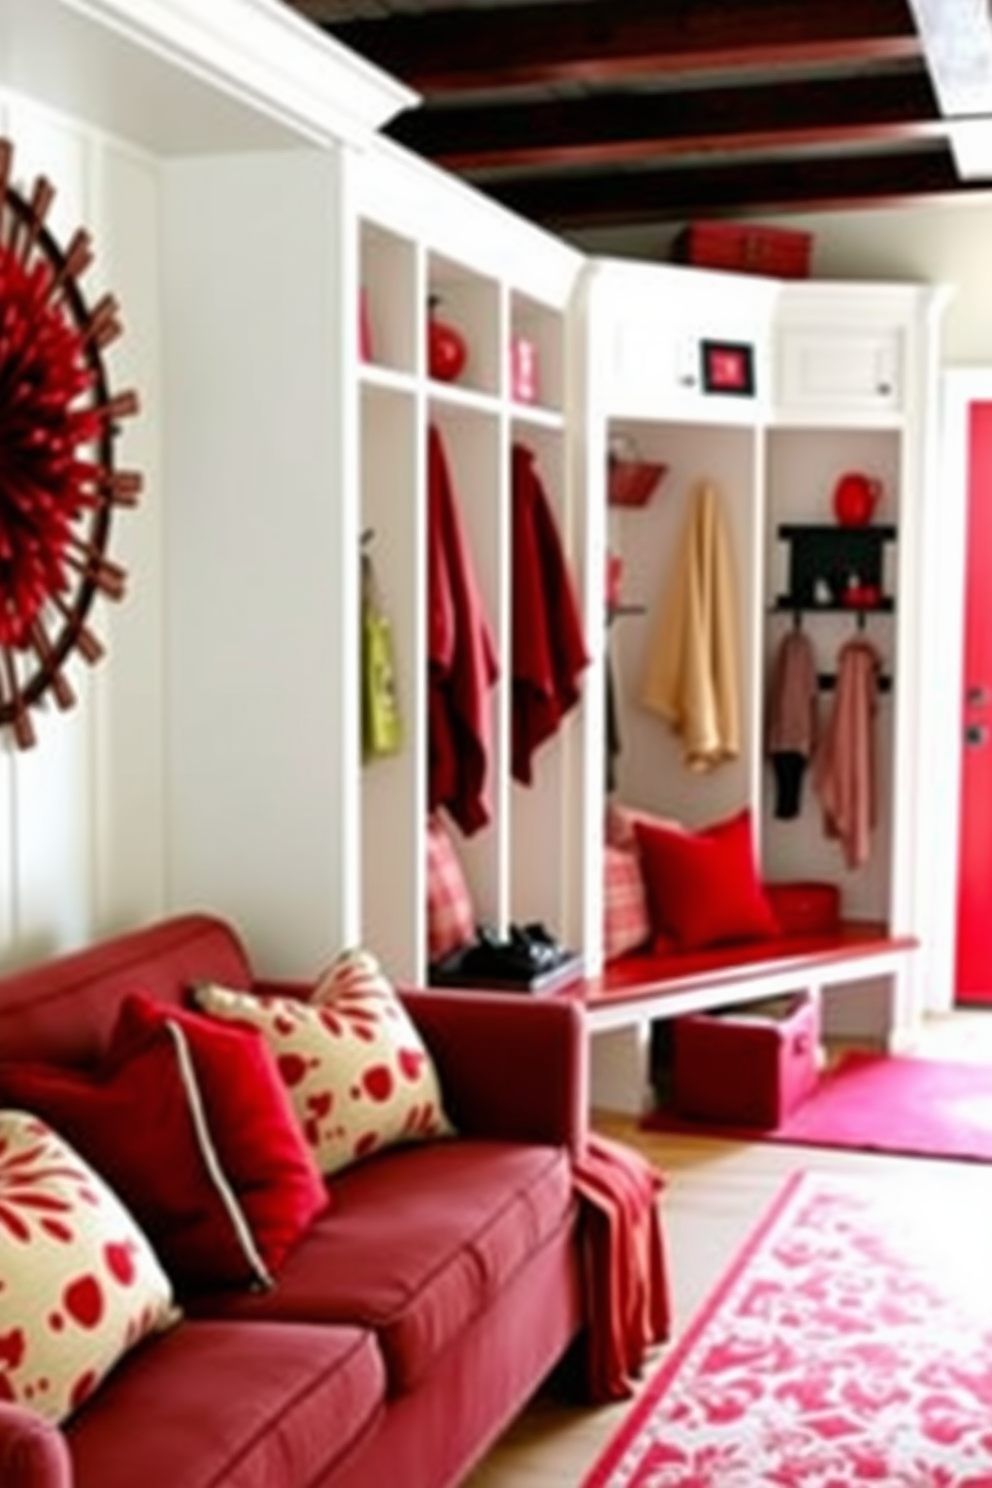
(259,1141)
(626,919)
(450,912)
(139,1122)
(359,1075)
(703,887)
(81,1287)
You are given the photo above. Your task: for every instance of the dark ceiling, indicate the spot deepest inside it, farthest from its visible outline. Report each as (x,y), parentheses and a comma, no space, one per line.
(587,114)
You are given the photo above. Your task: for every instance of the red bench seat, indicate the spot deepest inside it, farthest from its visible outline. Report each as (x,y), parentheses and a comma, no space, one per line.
(636,989)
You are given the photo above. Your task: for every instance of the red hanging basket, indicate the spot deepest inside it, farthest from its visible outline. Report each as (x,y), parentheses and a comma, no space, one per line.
(630,480)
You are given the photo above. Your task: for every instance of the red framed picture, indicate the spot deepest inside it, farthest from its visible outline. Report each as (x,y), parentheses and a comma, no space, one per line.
(728,367)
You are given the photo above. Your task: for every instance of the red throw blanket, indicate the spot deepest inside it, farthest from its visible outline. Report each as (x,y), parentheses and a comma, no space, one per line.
(623,1253)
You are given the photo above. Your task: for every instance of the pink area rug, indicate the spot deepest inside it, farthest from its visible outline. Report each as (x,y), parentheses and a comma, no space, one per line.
(850,1342)
(919,1107)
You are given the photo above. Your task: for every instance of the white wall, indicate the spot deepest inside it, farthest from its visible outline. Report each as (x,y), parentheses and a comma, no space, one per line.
(81,830)
(102,97)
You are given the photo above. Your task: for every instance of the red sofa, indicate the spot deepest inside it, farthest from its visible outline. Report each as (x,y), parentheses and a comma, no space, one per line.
(415,1316)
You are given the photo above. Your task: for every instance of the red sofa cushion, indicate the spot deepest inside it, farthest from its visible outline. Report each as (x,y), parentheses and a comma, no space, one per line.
(212,1403)
(254,1128)
(134,1121)
(419,1242)
(661,964)
(64,1009)
(703,887)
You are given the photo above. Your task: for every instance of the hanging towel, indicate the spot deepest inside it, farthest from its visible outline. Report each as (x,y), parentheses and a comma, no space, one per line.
(625,1273)
(382,722)
(792,722)
(461,660)
(691,669)
(844,763)
(549,650)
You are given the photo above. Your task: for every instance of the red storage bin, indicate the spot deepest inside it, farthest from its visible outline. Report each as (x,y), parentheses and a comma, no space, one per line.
(746,1066)
(745,249)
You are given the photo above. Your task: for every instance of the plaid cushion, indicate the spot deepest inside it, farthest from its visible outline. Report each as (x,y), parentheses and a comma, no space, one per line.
(626,922)
(450,911)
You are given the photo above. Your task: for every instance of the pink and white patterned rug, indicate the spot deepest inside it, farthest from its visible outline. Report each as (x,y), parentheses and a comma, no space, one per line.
(849,1343)
(882,1103)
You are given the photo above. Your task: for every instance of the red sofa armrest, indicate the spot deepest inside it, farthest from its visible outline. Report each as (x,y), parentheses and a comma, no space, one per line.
(510,1066)
(33,1453)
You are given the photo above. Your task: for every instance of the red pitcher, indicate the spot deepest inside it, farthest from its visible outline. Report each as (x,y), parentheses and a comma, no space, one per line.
(855,498)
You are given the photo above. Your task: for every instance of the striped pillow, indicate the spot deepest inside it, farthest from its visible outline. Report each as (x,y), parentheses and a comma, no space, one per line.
(626,922)
(450,911)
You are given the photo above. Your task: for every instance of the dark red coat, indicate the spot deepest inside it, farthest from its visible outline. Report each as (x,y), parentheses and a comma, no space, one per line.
(549,650)
(461,658)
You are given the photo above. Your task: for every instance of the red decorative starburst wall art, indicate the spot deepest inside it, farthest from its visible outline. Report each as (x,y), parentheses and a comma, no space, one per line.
(59,483)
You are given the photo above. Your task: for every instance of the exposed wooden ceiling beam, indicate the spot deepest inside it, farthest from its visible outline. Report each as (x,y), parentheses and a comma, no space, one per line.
(581,112)
(632,125)
(608,197)
(458,50)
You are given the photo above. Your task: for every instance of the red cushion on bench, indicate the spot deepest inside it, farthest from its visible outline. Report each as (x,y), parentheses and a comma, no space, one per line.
(805,907)
(703,887)
(646,969)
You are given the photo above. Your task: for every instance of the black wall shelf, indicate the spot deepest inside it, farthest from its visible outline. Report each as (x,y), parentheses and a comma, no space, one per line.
(787,604)
(830,555)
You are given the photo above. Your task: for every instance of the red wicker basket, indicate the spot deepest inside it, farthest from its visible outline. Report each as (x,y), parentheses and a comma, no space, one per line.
(633,482)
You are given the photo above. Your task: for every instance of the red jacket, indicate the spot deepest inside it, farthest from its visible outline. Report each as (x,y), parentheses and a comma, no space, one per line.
(461,658)
(549,650)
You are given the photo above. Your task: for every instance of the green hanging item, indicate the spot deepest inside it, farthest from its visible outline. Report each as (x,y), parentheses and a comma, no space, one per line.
(382,723)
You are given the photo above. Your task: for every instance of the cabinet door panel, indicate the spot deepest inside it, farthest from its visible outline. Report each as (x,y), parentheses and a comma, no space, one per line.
(652,362)
(823,369)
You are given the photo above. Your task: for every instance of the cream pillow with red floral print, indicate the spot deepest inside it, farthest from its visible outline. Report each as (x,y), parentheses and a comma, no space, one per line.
(79,1283)
(356,1068)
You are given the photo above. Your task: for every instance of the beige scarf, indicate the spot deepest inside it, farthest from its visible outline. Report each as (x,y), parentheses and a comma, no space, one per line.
(691,667)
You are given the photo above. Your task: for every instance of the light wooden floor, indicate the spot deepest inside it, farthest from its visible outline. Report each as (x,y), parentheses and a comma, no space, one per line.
(716,1191)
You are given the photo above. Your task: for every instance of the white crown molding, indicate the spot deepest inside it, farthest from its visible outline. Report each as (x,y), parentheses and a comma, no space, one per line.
(264,54)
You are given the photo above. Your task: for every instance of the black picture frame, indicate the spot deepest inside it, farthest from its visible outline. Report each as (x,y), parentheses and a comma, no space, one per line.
(728,368)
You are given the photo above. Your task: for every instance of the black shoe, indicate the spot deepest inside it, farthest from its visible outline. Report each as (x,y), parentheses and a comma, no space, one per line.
(541,944)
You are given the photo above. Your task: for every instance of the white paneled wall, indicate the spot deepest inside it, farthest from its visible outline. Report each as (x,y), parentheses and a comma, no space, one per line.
(81,836)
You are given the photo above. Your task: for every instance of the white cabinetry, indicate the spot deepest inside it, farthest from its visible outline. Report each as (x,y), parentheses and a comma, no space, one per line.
(653,336)
(841,381)
(846,351)
(423,238)
(821,369)
(310,448)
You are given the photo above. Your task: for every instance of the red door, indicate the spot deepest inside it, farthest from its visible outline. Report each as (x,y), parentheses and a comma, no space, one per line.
(974,907)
